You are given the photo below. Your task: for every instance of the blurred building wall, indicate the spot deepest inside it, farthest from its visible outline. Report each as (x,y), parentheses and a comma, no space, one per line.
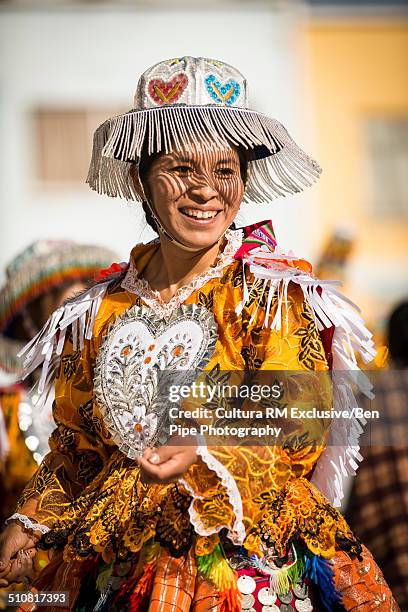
(77,59)
(359,72)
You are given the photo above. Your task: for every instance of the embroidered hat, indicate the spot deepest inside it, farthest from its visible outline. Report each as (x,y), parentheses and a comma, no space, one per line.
(43,265)
(189,100)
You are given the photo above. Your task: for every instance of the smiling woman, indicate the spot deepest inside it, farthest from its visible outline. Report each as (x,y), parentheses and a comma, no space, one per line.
(195,193)
(130,518)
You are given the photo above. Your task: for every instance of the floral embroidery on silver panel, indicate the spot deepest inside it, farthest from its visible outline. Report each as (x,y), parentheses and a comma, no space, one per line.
(141,355)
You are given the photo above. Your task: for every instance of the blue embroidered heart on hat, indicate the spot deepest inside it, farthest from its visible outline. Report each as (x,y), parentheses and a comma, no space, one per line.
(226,94)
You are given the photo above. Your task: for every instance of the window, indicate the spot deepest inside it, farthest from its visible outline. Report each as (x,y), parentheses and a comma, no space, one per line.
(63,143)
(387,140)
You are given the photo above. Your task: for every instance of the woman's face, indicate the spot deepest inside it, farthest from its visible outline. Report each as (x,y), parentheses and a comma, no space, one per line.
(196,194)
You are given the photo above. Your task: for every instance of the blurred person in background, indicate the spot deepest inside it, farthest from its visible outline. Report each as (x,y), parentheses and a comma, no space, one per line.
(38,280)
(335,255)
(378,508)
(137,520)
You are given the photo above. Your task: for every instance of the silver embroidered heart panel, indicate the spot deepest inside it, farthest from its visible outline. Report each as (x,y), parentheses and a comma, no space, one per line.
(139,358)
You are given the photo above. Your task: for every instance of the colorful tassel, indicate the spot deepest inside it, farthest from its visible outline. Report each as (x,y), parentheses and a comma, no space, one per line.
(281,579)
(143,589)
(216,569)
(103,576)
(321,574)
(142,580)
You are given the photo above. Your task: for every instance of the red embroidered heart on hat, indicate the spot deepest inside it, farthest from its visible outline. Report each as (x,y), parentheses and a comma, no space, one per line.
(167,92)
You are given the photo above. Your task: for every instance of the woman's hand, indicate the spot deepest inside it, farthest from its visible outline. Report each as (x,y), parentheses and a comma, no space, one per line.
(20,568)
(169,462)
(17,548)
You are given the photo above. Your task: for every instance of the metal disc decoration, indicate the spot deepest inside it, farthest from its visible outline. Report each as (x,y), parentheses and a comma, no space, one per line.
(246,584)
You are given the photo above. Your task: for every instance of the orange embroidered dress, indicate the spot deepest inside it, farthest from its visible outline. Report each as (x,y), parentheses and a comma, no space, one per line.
(245,528)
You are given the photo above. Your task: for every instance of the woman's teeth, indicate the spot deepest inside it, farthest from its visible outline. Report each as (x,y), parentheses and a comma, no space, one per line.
(199,214)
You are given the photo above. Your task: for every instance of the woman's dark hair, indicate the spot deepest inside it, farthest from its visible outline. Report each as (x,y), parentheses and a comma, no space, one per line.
(146,162)
(150,220)
(398,335)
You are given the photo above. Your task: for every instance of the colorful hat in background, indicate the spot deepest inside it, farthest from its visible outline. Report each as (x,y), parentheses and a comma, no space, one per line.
(186,101)
(44,265)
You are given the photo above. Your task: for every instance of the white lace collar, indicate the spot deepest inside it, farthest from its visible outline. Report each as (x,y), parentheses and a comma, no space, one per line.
(139,286)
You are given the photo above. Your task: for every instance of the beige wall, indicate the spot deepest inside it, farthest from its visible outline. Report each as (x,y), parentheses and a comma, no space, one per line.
(359,69)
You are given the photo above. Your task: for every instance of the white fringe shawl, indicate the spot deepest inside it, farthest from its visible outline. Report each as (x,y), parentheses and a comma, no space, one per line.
(46,347)
(330,308)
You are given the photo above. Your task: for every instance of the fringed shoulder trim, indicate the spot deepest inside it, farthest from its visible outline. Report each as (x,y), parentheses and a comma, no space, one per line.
(330,309)
(45,349)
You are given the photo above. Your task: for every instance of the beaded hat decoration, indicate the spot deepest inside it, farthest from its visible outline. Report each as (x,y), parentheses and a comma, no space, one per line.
(46,264)
(186,101)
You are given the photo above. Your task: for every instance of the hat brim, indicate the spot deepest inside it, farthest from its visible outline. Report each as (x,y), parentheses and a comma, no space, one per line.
(277,165)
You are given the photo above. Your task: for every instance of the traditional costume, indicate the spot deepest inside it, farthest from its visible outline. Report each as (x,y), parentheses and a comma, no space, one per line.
(247,527)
